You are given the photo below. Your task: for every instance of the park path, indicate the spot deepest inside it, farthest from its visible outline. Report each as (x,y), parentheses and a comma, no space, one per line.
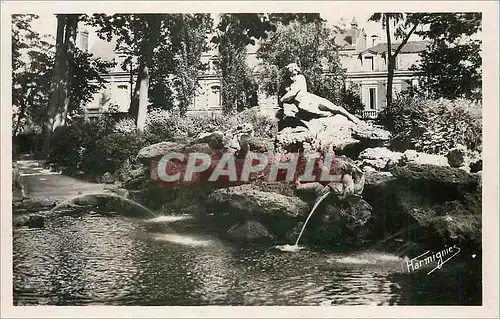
(40,183)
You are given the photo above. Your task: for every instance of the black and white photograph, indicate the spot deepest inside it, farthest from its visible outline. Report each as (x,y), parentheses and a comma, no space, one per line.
(258,157)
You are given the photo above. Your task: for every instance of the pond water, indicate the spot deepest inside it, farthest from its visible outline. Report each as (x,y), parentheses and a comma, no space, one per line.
(172,260)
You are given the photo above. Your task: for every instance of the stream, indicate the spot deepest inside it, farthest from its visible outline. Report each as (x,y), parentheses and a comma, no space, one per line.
(172,260)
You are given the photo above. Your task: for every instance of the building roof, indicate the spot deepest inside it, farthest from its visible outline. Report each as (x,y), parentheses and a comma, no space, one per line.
(409,47)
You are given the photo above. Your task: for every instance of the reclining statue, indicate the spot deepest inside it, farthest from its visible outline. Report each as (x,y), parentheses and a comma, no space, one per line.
(297,99)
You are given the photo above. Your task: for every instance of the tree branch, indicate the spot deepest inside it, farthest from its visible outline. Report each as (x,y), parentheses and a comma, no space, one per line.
(405,40)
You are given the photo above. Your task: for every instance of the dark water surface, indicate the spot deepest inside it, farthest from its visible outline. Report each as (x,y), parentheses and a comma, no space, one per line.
(96,260)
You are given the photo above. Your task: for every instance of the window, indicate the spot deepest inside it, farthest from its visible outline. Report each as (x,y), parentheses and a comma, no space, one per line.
(372,99)
(213,96)
(370,96)
(369,63)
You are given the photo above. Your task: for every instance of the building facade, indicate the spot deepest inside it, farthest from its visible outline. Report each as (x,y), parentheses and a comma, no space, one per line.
(365,63)
(363,59)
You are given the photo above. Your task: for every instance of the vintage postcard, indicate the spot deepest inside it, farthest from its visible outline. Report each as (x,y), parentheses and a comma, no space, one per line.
(227,158)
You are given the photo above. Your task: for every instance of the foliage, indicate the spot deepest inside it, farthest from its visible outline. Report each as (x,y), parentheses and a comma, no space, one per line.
(71,142)
(454,47)
(433,126)
(33,71)
(32,61)
(87,79)
(264,125)
(177,51)
(160,125)
(94,147)
(404,26)
(126,125)
(238,89)
(109,153)
(234,32)
(452,123)
(188,41)
(310,45)
(351,100)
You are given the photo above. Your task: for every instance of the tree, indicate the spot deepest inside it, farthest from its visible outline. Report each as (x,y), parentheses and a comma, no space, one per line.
(60,86)
(395,20)
(310,45)
(234,33)
(137,34)
(164,44)
(188,38)
(42,100)
(32,60)
(454,47)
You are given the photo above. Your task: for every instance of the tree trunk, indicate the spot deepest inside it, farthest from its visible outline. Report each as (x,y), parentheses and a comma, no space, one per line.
(390,61)
(55,89)
(134,101)
(22,110)
(70,45)
(142,85)
(154,23)
(143,100)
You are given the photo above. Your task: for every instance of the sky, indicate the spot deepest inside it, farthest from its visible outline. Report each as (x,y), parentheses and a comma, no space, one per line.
(47,23)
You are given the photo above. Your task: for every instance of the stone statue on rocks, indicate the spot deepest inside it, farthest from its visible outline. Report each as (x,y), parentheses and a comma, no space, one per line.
(300,104)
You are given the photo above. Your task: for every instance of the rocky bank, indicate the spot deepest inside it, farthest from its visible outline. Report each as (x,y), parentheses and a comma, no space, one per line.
(408,198)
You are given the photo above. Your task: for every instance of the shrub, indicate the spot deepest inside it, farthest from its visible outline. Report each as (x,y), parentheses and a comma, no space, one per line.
(96,147)
(126,125)
(433,126)
(351,100)
(449,124)
(264,125)
(70,141)
(194,124)
(160,125)
(110,153)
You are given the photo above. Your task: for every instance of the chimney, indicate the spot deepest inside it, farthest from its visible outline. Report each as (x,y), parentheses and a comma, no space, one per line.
(354,23)
(83,42)
(355,32)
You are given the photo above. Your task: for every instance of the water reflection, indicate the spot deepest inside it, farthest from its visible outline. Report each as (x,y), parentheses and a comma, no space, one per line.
(121,261)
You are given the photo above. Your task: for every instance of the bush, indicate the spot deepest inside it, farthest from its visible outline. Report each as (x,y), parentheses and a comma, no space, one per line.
(70,142)
(110,153)
(433,126)
(264,125)
(451,123)
(351,100)
(95,148)
(126,125)
(160,126)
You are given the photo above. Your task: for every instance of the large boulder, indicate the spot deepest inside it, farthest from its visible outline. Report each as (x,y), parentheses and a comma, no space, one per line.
(370,134)
(414,201)
(249,231)
(293,139)
(378,158)
(335,133)
(414,157)
(277,212)
(157,150)
(30,221)
(337,223)
(214,139)
(247,202)
(463,158)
